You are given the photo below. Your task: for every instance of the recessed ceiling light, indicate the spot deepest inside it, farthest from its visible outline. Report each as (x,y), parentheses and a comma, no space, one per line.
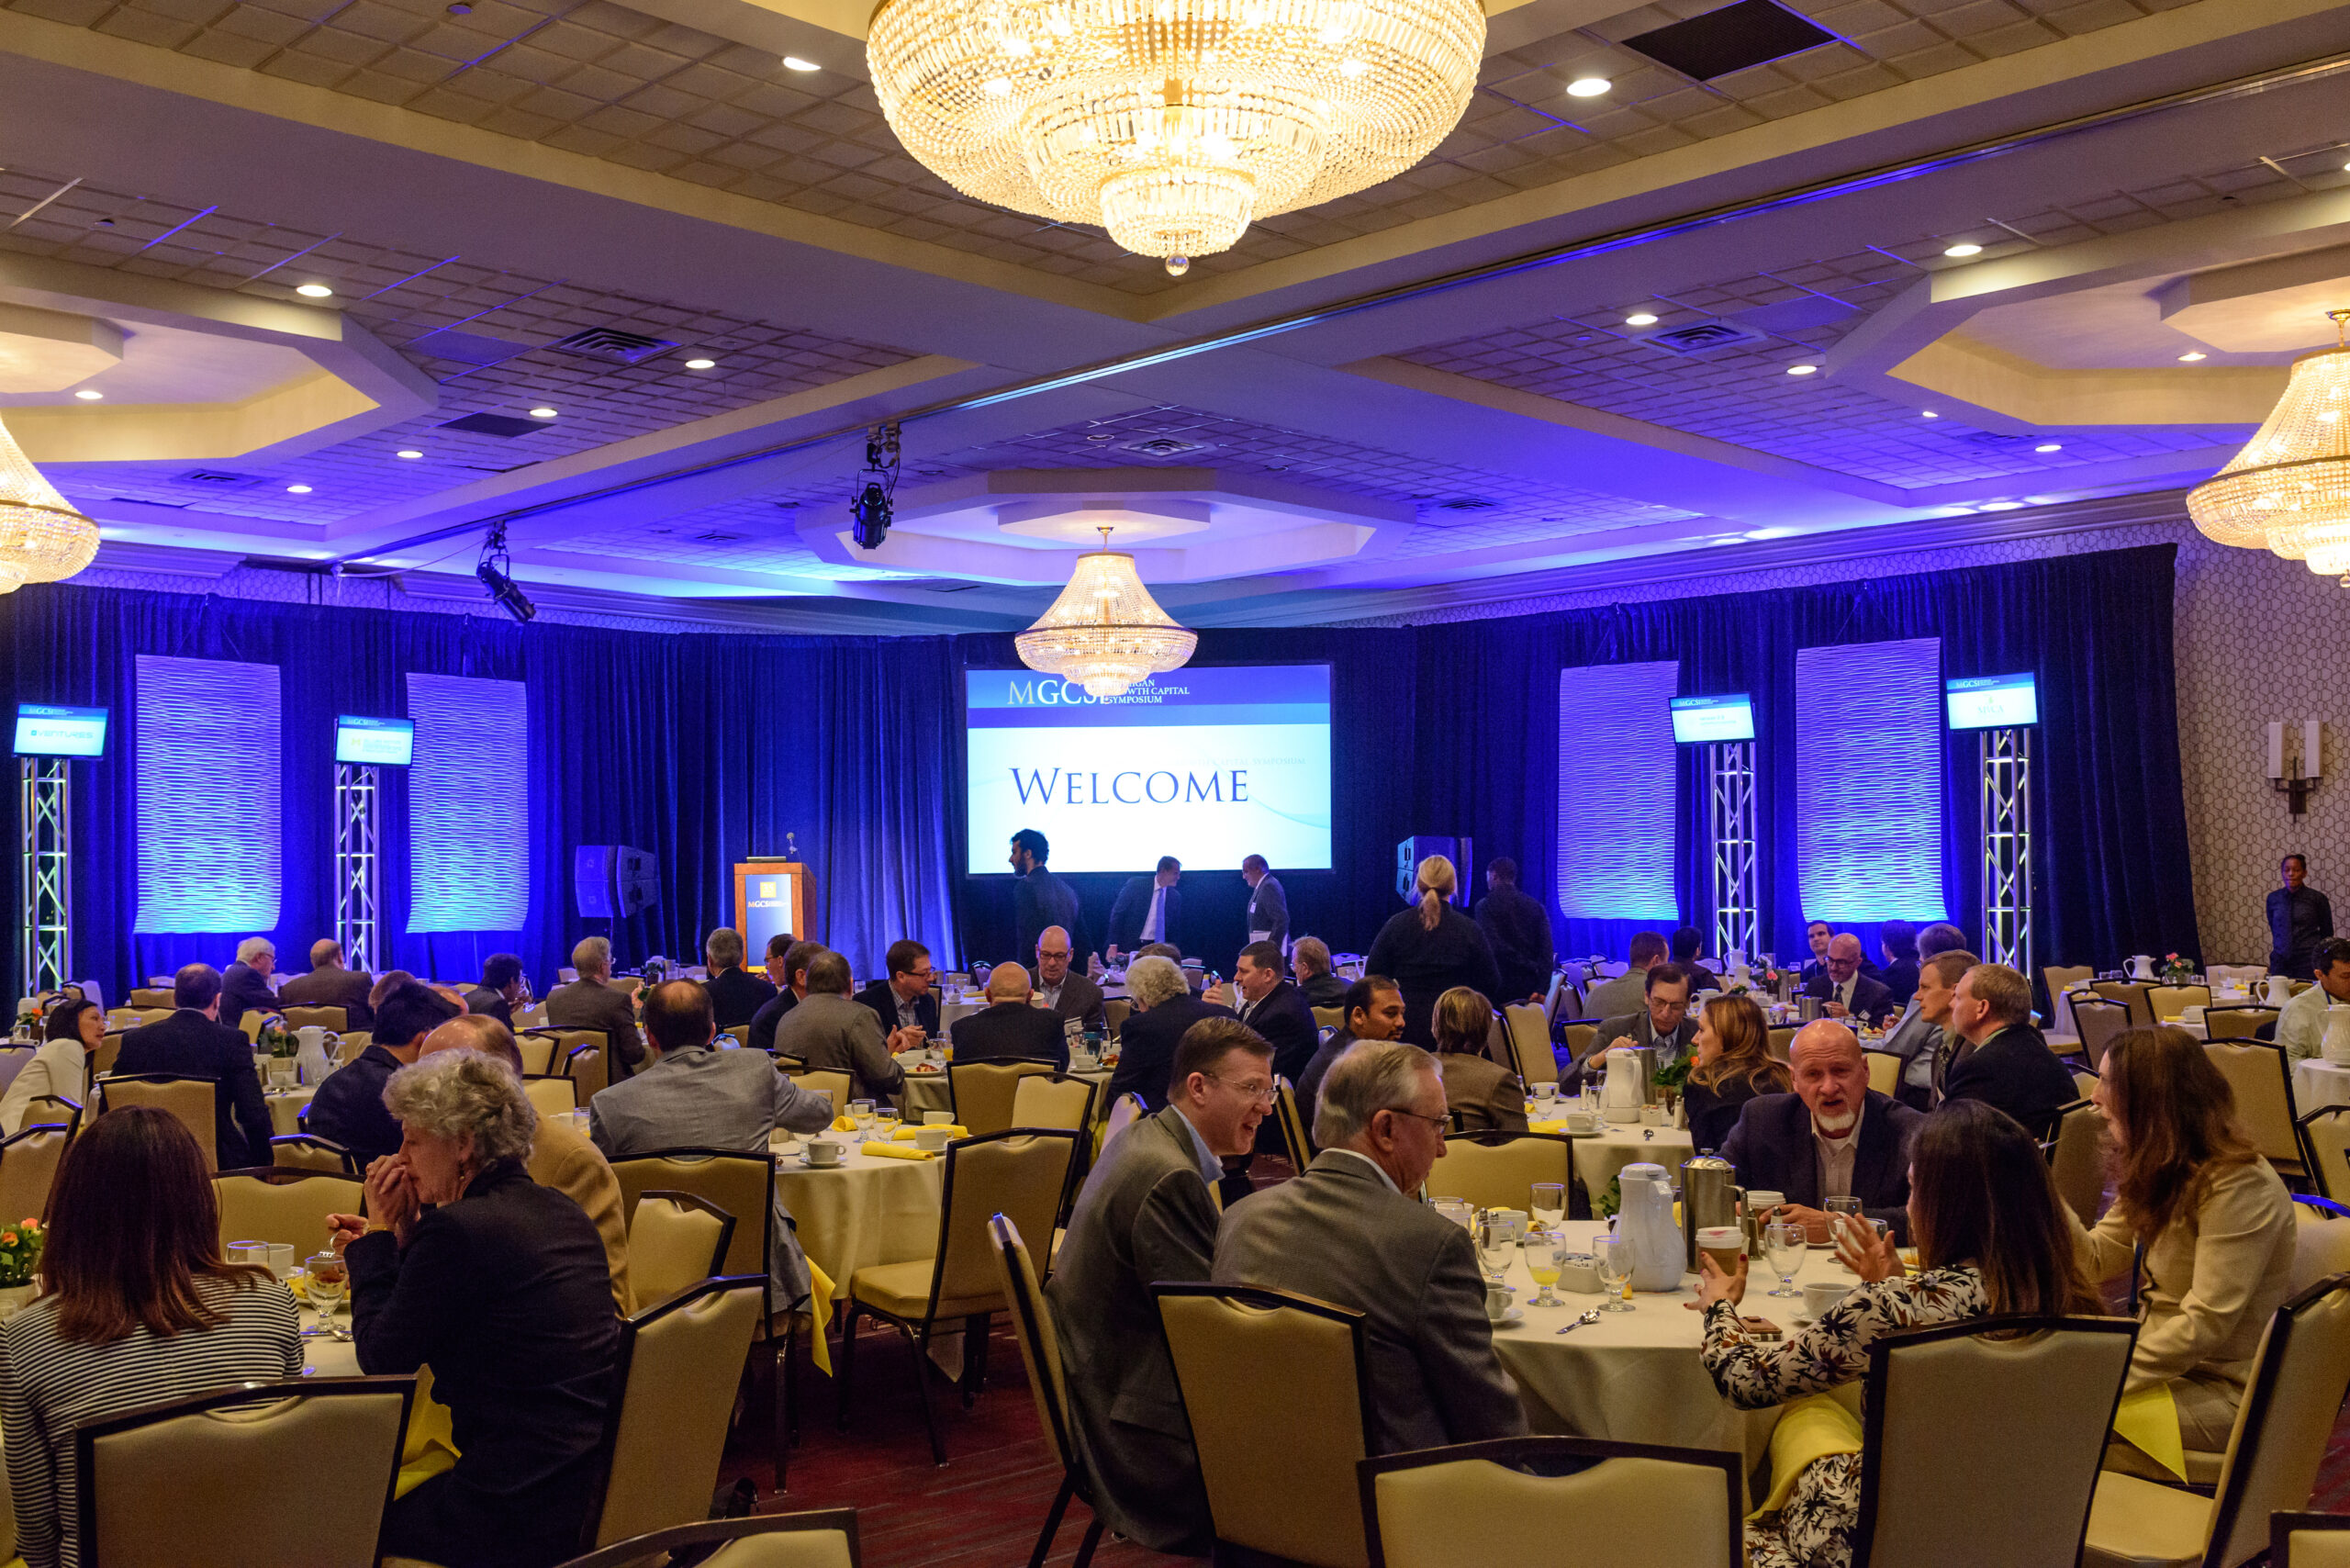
(701,364)
(89,394)
(1929,414)
(793,62)
(2003,506)
(2048,446)
(408,451)
(1639,318)
(298,489)
(542,412)
(1587,86)
(1968,249)
(2190,356)
(1803,370)
(313,290)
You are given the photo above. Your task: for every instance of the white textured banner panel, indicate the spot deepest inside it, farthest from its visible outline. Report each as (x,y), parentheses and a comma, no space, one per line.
(469,797)
(1616,791)
(208,759)
(1869,780)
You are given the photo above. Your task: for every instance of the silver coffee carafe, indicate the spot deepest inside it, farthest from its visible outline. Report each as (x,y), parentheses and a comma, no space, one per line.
(1710,1196)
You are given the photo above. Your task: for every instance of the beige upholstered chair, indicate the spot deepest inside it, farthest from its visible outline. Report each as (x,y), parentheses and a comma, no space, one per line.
(2098,1019)
(1278,1454)
(2076,1160)
(1128,1110)
(627,985)
(1475,1503)
(1578,1038)
(1116,1011)
(1529,1043)
(52,1110)
(2132,995)
(588,1070)
(675,1241)
(254,1017)
(2056,977)
(152,996)
(28,1164)
(1496,1169)
(1780,1042)
(1330,1017)
(109,1046)
(820,1539)
(170,1485)
(333,1018)
(561,1043)
(678,1366)
(2264,1092)
(1040,1351)
(354,1044)
(189,1099)
(538,1049)
(1056,1099)
(1884,1070)
(982,1092)
(2291,1401)
(552,1095)
(306,1151)
(2321,1240)
(731,1181)
(2170,1000)
(739,1032)
(1021,1174)
(288,1206)
(2237,1023)
(14,1060)
(1954,1417)
(1290,1116)
(839,1085)
(2308,1540)
(2325,1133)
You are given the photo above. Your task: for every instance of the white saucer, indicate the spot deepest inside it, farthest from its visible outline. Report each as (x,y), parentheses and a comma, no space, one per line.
(1514,1315)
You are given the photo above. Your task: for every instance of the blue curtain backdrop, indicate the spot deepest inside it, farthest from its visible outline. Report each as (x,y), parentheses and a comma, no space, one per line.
(706,748)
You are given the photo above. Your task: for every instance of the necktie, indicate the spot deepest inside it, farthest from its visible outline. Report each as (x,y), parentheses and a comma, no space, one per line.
(1155,927)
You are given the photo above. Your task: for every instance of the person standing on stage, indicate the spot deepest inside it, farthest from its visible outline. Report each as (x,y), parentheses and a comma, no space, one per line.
(1518,928)
(1148,910)
(1268,905)
(1039,899)
(1431,947)
(2300,917)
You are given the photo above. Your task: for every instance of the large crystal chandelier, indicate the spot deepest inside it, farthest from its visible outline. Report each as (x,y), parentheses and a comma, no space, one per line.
(1171,123)
(2289,489)
(42,539)
(1105,632)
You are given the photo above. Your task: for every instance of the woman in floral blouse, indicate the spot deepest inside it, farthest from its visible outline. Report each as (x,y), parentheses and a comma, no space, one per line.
(1991,1236)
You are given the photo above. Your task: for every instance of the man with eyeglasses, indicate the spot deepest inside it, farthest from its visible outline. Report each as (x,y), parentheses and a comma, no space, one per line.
(1351,1230)
(1146,1214)
(907,1012)
(1067,995)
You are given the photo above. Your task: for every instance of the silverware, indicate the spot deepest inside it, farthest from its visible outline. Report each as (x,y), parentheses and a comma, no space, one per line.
(1591,1317)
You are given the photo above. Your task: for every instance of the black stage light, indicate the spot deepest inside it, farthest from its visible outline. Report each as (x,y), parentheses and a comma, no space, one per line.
(871,507)
(491,570)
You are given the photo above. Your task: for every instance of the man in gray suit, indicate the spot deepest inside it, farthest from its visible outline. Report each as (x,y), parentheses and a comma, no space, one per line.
(1145,1215)
(831,1030)
(1662,1019)
(1628,991)
(1067,993)
(691,1096)
(592,1002)
(1268,905)
(1345,1232)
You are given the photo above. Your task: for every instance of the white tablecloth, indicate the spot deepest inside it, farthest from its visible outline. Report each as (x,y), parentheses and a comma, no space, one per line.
(2318,1084)
(1600,1157)
(285,1108)
(869,1211)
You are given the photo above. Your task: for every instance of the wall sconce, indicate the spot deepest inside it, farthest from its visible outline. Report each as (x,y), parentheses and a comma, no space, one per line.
(2293,765)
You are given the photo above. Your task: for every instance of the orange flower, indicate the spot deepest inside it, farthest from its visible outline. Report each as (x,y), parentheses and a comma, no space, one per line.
(7,1239)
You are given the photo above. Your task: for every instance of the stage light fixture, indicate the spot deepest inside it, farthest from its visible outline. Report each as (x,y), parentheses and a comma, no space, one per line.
(298,489)
(1960,251)
(496,562)
(2048,446)
(870,507)
(89,394)
(1640,319)
(313,291)
(701,364)
(1928,414)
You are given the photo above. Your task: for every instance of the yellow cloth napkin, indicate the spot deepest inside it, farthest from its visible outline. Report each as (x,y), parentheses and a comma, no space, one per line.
(820,1313)
(430,1444)
(2149,1418)
(897,1151)
(843,1123)
(1556,1127)
(1809,1428)
(906,1135)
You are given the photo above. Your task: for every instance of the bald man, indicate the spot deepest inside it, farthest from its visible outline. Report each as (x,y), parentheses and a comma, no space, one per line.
(1843,991)
(1060,990)
(1010,1027)
(1834,1136)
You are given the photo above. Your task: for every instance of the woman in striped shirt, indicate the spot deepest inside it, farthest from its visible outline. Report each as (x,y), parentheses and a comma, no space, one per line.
(137,1307)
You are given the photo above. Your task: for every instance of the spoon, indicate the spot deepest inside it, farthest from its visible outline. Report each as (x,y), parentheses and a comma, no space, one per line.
(1591,1317)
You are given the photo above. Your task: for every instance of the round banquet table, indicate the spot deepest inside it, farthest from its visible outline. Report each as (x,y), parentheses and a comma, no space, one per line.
(2318,1084)
(286,1107)
(868,1211)
(1601,1157)
(928,1091)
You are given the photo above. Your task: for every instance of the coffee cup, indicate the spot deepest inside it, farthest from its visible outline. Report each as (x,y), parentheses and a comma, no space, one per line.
(1819,1295)
(1724,1244)
(1497,1299)
(825,1152)
(938,1118)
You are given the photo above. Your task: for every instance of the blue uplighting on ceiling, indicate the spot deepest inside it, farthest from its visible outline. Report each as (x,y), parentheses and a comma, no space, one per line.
(1616,791)
(209,761)
(1869,780)
(468,793)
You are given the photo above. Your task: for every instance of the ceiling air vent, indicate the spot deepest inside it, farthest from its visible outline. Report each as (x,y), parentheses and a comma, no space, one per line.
(1999,438)
(716,536)
(612,345)
(1750,33)
(1163,446)
(467,348)
(495,424)
(1455,510)
(218,479)
(1702,337)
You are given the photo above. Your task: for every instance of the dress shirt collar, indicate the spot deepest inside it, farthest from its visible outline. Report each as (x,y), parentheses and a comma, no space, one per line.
(1377,1170)
(1211,1165)
(1839,1157)
(1051,994)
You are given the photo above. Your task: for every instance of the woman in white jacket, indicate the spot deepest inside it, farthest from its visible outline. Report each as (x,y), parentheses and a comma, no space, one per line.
(61,1067)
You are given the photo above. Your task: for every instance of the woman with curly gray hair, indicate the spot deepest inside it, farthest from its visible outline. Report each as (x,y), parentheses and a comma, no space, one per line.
(466,1264)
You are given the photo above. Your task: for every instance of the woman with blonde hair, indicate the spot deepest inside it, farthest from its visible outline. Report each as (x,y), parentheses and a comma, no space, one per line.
(1485,1095)
(1733,1064)
(1432,947)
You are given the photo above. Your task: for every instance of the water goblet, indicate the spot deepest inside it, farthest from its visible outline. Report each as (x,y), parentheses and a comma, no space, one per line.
(885,1123)
(329,1275)
(861,1113)
(1542,1264)
(1496,1241)
(1784,1246)
(1613,1255)
(1548,1204)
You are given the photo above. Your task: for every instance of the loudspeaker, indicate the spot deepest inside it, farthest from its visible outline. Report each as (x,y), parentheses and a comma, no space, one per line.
(611,881)
(1413,850)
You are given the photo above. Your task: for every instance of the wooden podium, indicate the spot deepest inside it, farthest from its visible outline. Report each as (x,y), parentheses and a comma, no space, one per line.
(770,900)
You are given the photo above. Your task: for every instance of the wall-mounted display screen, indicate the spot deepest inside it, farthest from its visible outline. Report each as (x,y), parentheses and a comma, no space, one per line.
(45,729)
(1991,702)
(385,743)
(1726,718)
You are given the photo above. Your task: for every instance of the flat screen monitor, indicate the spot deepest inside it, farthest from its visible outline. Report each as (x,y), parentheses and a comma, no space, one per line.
(1729,718)
(385,743)
(45,730)
(1991,702)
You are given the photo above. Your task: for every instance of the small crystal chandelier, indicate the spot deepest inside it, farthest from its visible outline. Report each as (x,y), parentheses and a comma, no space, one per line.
(42,539)
(1172,123)
(1105,632)
(2288,490)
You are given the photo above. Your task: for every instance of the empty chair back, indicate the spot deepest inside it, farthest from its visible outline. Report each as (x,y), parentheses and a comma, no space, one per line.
(1780,1043)
(109,1046)
(170,1485)
(1116,1011)
(301,1152)
(2325,1133)
(1020,1175)
(1884,1070)
(679,1365)
(152,996)
(189,1099)
(2239,1023)
(2264,1092)
(288,1206)
(2171,1000)
(1578,1038)
(823,1538)
(2321,1240)
(1294,1138)
(14,1060)
(733,1183)
(333,1018)
(1529,1042)
(1123,1115)
(1476,1502)
(2076,1160)
(1954,1416)
(551,1096)
(28,1164)
(1330,1017)
(1040,1346)
(982,1092)
(2056,977)
(52,1109)
(538,1047)
(675,1241)
(2291,1402)
(1496,1169)
(2132,995)
(2308,1540)
(590,1072)
(2098,1019)
(1054,1100)
(830,1081)
(1278,1454)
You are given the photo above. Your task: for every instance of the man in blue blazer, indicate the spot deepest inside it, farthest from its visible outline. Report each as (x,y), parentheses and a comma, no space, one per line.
(1149,909)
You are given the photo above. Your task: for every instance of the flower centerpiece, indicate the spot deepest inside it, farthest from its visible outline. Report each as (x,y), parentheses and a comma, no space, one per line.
(1670,1076)
(20,1249)
(2177,970)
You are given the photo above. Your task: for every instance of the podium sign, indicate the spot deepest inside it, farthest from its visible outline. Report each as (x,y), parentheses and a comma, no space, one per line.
(770,900)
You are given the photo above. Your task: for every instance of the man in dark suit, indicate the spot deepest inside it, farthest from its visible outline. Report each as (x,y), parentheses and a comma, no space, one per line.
(592,1002)
(1309,960)
(1275,1008)
(1345,1231)
(1374,1009)
(2001,1058)
(1817,936)
(1898,938)
(1267,919)
(1843,991)
(194,1043)
(245,987)
(908,1013)
(735,993)
(1149,909)
(831,1033)
(796,959)
(1688,946)
(328,984)
(1834,1136)
(1663,1020)
(1164,1008)
(1067,995)
(1038,898)
(1518,928)
(348,1108)
(1146,1214)
(501,988)
(1010,1028)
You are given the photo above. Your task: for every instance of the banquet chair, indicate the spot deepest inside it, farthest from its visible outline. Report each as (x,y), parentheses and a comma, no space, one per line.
(2325,1133)
(538,1052)
(982,1092)
(675,1241)
(2132,995)
(1329,1018)
(2170,1000)
(838,1086)
(170,1485)
(551,1095)
(2242,1023)
(1530,1044)
(1495,1170)
(1277,1454)
(2012,1407)
(677,1370)
(1125,1112)
(1577,1038)
(2056,977)
(2264,1092)
(189,1099)
(1297,1141)
(354,1044)
(14,1060)
(152,997)
(1489,1502)
(110,1047)
(2236,974)
(265,1203)
(2291,1401)
(821,1538)
(2084,1081)
(738,1032)
(29,1162)
(1552,995)
(2098,1019)
(306,1152)
(330,1018)
(250,1025)
(1884,1070)
(561,1043)
(2321,1240)
(1116,1011)
(1049,1100)
(53,1110)
(1781,1042)
(1040,1353)
(1021,1175)
(2308,1540)
(2077,1158)
(627,985)
(589,1072)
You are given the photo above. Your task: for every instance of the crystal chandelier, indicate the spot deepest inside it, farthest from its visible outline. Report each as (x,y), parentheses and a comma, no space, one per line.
(2289,489)
(1172,123)
(42,539)
(1105,632)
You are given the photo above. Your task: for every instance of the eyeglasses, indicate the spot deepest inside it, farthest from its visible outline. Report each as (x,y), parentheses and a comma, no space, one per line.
(1441,1123)
(1043,953)
(1263,1093)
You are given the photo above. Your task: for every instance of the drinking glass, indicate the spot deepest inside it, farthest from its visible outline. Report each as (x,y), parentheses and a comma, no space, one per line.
(1496,1240)
(885,1123)
(1542,1264)
(1549,1205)
(281,1072)
(1459,1211)
(861,1113)
(1784,1246)
(327,1275)
(1842,1205)
(1613,1255)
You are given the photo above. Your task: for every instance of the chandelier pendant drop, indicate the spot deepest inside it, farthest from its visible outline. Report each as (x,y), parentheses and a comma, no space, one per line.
(1105,632)
(43,539)
(2288,490)
(1174,124)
